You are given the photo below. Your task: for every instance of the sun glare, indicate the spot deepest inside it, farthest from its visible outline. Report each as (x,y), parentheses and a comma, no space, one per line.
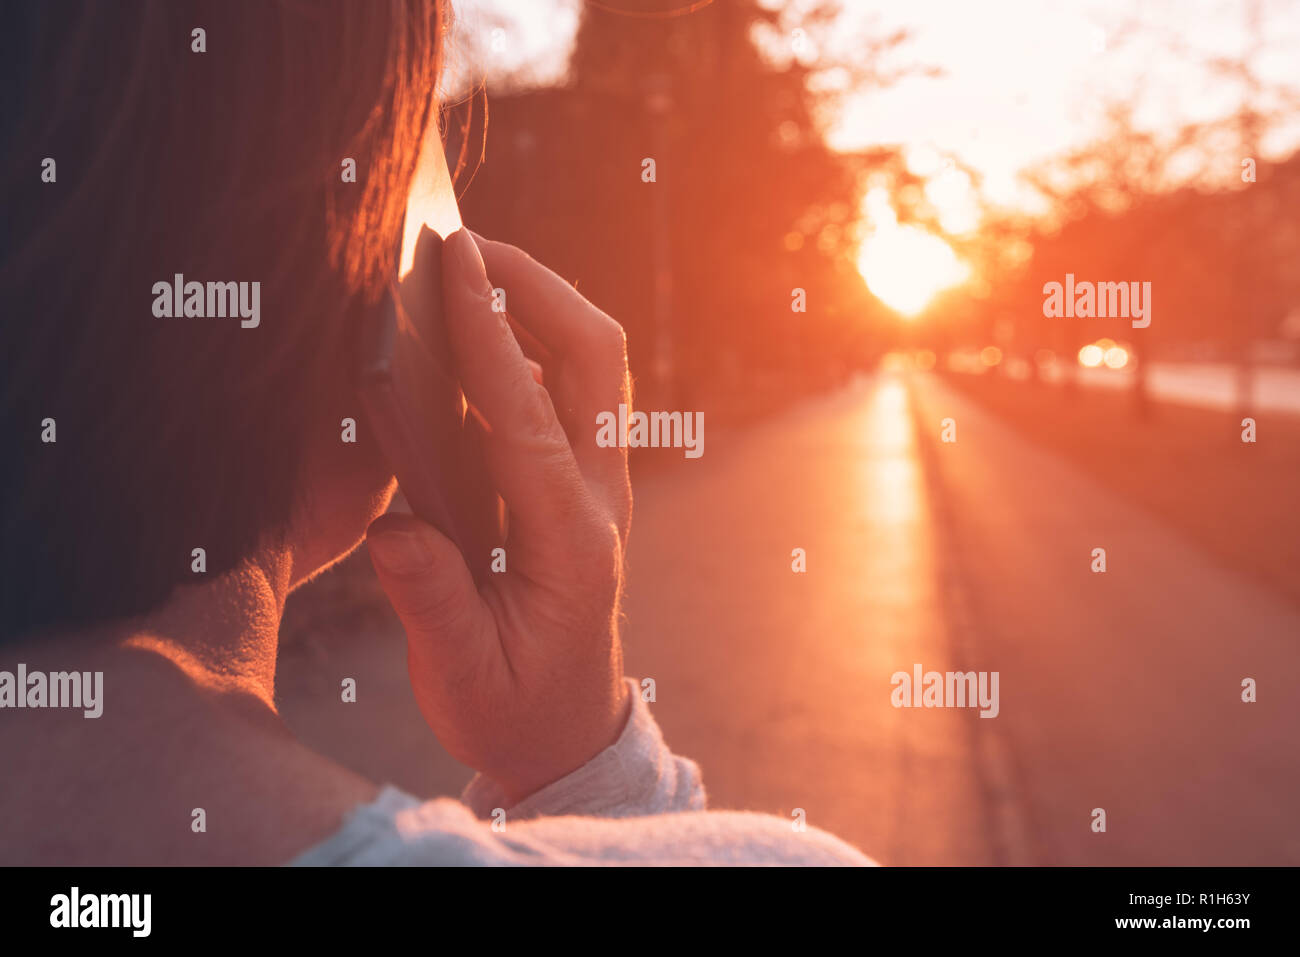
(905,267)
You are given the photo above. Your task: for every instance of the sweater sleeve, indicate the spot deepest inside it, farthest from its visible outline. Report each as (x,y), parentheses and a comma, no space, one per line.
(573,821)
(635,776)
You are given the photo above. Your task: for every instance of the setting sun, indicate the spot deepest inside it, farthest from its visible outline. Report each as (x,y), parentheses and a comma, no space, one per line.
(905,266)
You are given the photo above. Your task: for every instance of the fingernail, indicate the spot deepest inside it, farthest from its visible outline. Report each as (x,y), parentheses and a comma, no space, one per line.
(469,268)
(400,552)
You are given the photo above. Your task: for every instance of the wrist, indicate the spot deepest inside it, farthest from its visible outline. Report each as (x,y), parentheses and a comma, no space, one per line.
(518,783)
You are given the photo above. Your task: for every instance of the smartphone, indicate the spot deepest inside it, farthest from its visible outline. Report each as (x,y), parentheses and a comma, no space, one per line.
(410,392)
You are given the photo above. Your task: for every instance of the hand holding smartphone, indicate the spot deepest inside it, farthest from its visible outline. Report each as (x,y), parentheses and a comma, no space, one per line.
(410,390)
(520,675)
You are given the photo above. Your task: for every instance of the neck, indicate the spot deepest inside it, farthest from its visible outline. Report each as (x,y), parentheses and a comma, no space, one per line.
(223,635)
(188,709)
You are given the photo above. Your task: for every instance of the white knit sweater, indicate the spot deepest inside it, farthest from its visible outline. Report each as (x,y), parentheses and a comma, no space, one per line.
(634,803)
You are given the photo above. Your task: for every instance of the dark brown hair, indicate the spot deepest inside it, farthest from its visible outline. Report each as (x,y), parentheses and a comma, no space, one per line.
(223,165)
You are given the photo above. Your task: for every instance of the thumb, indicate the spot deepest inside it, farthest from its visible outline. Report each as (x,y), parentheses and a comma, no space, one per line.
(432,591)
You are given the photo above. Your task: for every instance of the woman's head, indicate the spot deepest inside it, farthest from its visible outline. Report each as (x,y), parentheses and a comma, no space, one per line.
(221,156)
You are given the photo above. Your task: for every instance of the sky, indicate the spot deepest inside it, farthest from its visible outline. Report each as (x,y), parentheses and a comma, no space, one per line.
(1022,80)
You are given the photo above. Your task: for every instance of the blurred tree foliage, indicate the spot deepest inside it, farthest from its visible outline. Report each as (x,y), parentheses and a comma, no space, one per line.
(1196,211)
(747,204)
(1223,259)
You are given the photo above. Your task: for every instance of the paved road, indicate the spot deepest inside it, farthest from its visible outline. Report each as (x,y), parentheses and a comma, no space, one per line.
(1119,690)
(778,682)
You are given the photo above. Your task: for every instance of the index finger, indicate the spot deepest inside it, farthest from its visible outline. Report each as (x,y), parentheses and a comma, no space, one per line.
(548,307)
(528,454)
(588,355)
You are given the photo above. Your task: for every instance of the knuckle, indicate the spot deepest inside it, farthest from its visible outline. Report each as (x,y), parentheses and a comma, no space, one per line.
(603,543)
(510,250)
(614,337)
(596,549)
(604,340)
(537,414)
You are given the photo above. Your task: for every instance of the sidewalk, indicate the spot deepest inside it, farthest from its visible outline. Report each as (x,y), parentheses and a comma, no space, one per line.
(1120,690)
